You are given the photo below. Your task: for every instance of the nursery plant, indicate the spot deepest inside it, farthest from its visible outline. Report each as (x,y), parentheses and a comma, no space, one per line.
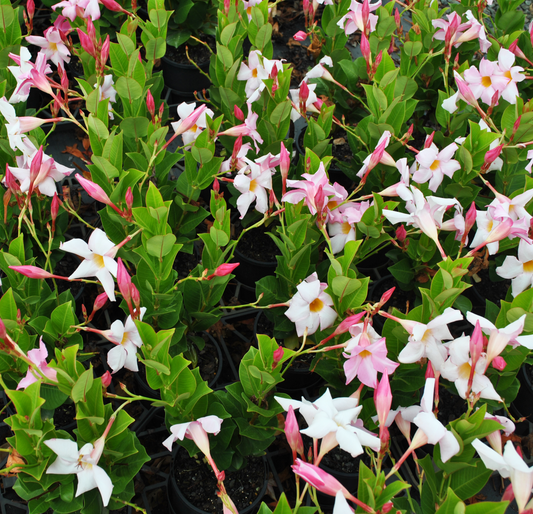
(415,377)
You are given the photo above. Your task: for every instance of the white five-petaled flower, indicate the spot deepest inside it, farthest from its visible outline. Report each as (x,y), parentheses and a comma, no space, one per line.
(425,340)
(184,111)
(310,307)
(520,270)
(52,46)
(433,165)
(334,420)
(424,418)
(458,367)
(127,339)
(84,463)
(106,90)
(252,182)
(98,259)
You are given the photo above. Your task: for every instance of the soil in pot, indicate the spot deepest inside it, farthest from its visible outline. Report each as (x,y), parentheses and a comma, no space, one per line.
(451,405)
(197,482)
(488,288)
(198,53)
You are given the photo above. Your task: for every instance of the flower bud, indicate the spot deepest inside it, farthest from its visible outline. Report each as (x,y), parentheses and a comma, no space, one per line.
(304,94)
(292,433)
(100,301)
(300,36)
(238,113)
(32,272)
(278,355)
(385,297)
(150,104)
(30,8)
(397,19)
(225,269)
(86,43)
(106,379)
(91,32)
(216,186)
(129,198)
(365,49)
(104,52)
(3,331)
(135,296)
(492,155)
(499,363)
(429,140)
(401,233)
(124,281)
(383,399)
(379,57)
(112,5)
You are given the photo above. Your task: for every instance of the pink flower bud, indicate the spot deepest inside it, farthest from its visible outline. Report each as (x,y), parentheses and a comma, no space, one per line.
(30,8)
(104,53)
(100,301)
(150,104)
(106,379)
(32,271)
(304,93)
(378,58)
(91,31)
(278,355)
(499,363)
(385,297)
(216,186)
(383,399)
(112,5)
(476,346)
(429,140)
(54,209)
(401,233)
(300,36)
(284,165)
(129,198)
(531,32)
(86,43)
(365,13)
(516,124)
(508,494)
(397,19)
(238,113)
(35,166)
(305,7)
(470,218)
(492,155)
(124,281)
(387,507)
(227,4)
(430,373)
(292,433)
(135,296)
(465,91)
(96,192)
(225,269)
(365,48)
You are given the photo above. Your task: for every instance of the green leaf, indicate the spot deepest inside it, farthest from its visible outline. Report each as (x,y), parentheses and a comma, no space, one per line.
(53,396)
(63,317)
(82,386)
(159,246)
(467,482)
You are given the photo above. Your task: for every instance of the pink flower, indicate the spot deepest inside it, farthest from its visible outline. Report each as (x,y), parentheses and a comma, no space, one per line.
(71,8)
(354,20)
(305,98)
(300,36)
(248,128)
(52,46)
(197,431)
(379,155)
(96,192)
(310,307)
(366,356)
(433,165)
(485,82)
(38,358)
(341,227)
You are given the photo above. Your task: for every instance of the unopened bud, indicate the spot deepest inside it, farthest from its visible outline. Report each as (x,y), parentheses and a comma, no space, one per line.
(106,379)
(150,104)
(3,331)
(129,198)
(225,269)
(300,36)
(499,363)
(429,140)
(278,355)
(238,113)
(100,301)
(401,233)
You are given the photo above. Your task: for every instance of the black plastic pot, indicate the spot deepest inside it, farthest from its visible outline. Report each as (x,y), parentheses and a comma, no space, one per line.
(523,403)
(184,79)
(251,270)
(178,504)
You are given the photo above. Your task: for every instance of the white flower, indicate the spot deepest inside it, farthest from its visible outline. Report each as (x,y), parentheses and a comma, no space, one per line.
(520,270)
(254,73)
(84,463)
(334,421)
(310,307)
(52,46)
(127,338)
(108,91)
(99,262)
(458,367)
(185,110)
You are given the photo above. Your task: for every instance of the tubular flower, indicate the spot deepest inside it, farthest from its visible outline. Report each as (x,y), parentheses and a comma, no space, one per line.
(354,20)
(310,307)
(52,46)
(38,357)
(433,165)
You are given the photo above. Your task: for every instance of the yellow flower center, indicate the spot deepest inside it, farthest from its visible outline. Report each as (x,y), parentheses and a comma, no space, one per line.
(464,370)
(486,82)
(490,225)
(194,128)
(435,165)
(124,338)
(507,74)
(346,227)
(364,354)
(53,46)
(254,73)
(249,11)
(253,186)
(99,260)
(316,305)
(528,267)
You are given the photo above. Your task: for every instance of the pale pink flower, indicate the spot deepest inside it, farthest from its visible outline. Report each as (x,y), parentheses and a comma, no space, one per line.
(519,271)
(308,105)
(98,259)
(486,81)
(365,359)
(379,155)
(476,30)
(254,73)
(185,112)
(248,8)
(341,226)
(433,165)
(52,46)
(530,164)
(24,73)
(38,358)
(354,19)
(72,8)
(511,73)
(468,31)
(314,185)
(310,307)
(248,128)
(495,438)
(458,367)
